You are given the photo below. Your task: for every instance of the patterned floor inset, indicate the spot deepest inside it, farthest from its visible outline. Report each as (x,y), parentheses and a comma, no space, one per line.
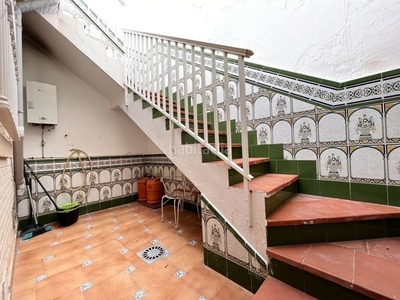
(96,258)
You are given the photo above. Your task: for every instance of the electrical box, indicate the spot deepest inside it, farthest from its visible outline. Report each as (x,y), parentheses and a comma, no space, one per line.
(41,103)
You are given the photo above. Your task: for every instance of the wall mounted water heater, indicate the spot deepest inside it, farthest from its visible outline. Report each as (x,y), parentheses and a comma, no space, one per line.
(41,103)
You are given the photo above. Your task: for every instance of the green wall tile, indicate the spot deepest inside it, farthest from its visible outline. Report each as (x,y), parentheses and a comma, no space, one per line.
(217,263)
(281,235)
(345,231)
(276,151)
(105,205)
(239,275)
(369,193)
(335,189)
(393,195)
(315,233)
(49,218)
(116,202)
(307,169)
(286,167)
(291,275)
(259,151)
(308,186)
(272,166)
(256,282)
(325,289)
(370,229)
(392,227)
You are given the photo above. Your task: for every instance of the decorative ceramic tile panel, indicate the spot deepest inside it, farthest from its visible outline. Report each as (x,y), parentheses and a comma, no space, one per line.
(332,129)
(235,251)
(333,163)
(367,164)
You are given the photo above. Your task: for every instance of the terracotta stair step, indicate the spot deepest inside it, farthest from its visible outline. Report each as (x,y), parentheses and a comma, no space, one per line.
(274,289)
(239,161)
(304,209)
(370,267)
(269,183)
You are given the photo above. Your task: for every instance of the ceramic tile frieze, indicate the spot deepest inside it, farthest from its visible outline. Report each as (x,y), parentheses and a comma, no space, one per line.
(314,91)
(219,238)
(112,178)
(308,132)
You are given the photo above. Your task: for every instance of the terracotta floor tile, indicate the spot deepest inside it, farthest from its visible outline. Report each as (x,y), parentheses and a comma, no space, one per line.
(33,256)
(161,230)
(75,294)
(71,246)
(136,242)
(106,268)
(186,257)
(174,242)
(63,262)
(273,289)
(358,245)
(376,274)
(232,291)
(65,273)
(293,255)
(28,271)
(172,288)
(388,248)
(60,284)
(117,287)
(24,290)
(150,276)
(331,262)
(103,250)
(204,280)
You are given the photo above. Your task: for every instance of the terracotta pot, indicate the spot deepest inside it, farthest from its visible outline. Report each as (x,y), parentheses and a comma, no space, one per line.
(154,191)
(142,191)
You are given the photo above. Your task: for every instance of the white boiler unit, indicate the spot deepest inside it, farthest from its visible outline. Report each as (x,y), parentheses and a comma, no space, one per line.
(41,103)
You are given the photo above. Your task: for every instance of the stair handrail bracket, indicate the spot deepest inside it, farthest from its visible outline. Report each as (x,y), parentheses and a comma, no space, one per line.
(183,79)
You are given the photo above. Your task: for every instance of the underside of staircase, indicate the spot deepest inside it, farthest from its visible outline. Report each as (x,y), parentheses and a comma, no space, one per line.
(316,247)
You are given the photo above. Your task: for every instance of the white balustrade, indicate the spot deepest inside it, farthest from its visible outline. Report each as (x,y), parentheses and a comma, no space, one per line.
(157,68)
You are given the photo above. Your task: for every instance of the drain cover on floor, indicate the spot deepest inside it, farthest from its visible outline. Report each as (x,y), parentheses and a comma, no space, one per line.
(153,253)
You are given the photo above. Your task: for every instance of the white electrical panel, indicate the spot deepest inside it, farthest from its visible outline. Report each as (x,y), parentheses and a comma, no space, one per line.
(41,103)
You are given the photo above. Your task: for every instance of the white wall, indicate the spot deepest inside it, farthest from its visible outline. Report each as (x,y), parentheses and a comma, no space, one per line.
(334,39)
(85,120)
(7,203)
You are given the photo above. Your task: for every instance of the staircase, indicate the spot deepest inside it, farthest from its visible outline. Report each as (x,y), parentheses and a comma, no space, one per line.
(317,247)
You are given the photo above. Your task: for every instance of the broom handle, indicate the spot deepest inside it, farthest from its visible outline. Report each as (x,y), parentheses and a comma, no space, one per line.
(37,179)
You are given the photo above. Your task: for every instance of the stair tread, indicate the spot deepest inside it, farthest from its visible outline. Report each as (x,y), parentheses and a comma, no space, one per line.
(269,183)
(370,267)
(308,209)
(239,161)
(274,289)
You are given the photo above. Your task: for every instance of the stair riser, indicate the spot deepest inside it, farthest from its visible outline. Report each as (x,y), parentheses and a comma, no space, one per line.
(275,201)
(255,170)
(311,284)
(187,139)
(332,232)
(251,135)
(191,125)
(207,156)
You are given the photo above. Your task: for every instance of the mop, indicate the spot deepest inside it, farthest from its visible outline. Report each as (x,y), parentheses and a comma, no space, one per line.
(35,229)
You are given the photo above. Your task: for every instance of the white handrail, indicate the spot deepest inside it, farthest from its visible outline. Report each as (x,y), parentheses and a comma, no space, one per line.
(144,54)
